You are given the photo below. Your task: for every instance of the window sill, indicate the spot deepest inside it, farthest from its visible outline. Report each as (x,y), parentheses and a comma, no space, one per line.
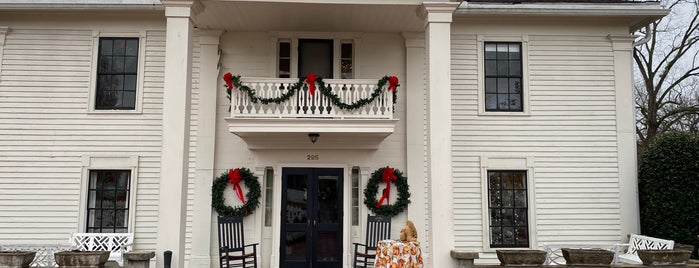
(115,112)
(518,114)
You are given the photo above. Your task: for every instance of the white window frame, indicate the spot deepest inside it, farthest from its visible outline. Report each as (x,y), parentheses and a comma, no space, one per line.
(526,103)
(508,163)
(293,39)
(96,35)
(108,162)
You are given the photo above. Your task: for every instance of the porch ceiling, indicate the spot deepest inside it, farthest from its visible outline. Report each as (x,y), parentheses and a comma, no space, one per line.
(304,17)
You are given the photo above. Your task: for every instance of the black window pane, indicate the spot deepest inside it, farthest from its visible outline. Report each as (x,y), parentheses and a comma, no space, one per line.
(132,47)
(128,98)
(116,72)
(284,50)
(503,74)
(106,47)
(508,216)
(108,205)
(346,51)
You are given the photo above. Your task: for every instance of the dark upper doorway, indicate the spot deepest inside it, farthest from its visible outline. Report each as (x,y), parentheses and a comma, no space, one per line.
(316,56)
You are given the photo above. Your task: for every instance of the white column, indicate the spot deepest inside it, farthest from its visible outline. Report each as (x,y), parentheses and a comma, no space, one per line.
(177,89)
(414,87)
(439,175)
(206,141)
(626,135)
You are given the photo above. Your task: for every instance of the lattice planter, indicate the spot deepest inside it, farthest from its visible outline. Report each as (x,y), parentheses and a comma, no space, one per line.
(521,257)
(16,259)
(664,257)
(587,257)
(82,259)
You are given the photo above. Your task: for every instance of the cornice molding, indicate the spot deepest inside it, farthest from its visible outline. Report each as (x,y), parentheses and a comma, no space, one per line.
(437,11)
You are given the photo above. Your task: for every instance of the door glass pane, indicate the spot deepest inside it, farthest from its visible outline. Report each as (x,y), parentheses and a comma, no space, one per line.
(296,203)
(327,199)
(295,248)
(315,57)
(327,248)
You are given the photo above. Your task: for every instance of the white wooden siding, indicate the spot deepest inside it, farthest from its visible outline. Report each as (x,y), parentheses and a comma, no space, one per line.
(570,133)
(45,129)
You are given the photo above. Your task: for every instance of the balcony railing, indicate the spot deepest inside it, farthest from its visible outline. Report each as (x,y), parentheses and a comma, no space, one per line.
(305,105)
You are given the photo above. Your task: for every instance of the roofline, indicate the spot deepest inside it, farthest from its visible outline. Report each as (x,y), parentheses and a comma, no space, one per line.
(79,7)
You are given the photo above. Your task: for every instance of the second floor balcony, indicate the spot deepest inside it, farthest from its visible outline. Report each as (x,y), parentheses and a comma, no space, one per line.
(266,109)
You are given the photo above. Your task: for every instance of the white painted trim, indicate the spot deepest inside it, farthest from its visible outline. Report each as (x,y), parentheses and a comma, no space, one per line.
(96,35)
(3,34)
(508,162)
(480,59)
(107,162)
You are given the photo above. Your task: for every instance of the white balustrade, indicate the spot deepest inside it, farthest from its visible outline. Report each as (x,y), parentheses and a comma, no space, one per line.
(304,105)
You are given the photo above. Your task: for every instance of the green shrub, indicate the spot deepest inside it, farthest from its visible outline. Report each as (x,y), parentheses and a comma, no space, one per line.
(668,187)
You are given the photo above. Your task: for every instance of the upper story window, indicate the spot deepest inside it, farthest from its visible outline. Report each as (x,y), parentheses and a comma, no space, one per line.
(117,71)
(108,201)
(346,63)
(503,77)
(508,208)
(327,58)
(284,60)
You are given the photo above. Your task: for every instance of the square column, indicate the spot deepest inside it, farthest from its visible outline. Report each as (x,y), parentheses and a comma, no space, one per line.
(626,135)
(438,17)
(206,140)
(177,89)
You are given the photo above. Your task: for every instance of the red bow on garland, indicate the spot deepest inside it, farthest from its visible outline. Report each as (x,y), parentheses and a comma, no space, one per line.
(392,83)
(235,178)
(387,176)
(311,80)
(228,77)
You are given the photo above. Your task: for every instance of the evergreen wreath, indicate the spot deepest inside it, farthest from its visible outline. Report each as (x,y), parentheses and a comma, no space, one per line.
(253,195)
(372,188)
(235,82)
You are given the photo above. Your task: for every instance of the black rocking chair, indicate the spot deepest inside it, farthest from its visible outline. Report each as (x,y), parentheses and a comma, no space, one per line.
(378,228)
(231,245)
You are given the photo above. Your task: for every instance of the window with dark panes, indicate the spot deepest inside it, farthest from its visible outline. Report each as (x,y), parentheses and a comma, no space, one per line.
(346,55)
(284,60)
(117,70)
(108,201)
(507,208)
(503,77)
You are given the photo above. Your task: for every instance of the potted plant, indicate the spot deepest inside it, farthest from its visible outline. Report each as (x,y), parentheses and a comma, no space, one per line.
(83,259)
(587,257)
(521,257)
(16,258)
(656,257)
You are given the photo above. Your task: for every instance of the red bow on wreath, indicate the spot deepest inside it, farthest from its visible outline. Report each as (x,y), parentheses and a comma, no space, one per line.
(235,178)
(228,77)
(311,80)
(387,176)
(392,83)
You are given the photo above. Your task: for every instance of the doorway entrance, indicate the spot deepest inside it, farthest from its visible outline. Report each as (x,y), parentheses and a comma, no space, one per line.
(316,56)
(311,229)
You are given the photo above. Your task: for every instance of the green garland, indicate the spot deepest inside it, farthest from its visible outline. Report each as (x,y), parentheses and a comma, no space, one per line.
(327,92)
(252,197)
(372,188)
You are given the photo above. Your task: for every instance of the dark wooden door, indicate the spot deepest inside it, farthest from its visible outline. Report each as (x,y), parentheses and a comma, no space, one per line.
(316,56)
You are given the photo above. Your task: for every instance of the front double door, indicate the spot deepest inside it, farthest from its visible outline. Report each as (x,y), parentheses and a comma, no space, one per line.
(311,230)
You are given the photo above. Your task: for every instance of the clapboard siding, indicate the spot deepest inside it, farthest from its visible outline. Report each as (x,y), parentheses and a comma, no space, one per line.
(570,132)
(45,130)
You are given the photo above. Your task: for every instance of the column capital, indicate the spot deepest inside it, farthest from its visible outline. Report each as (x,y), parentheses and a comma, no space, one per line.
(437,11)
(209,37)
(622,42)
(182,8)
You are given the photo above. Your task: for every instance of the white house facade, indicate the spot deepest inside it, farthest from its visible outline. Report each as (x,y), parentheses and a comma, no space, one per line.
(512,121)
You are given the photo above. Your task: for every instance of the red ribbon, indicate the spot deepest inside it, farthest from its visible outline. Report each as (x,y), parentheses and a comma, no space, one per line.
(387,176)
(392,83)
(228,77)
(235,178)
(311,80)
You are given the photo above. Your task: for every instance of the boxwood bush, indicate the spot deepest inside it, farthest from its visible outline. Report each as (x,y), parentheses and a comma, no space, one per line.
(668,187)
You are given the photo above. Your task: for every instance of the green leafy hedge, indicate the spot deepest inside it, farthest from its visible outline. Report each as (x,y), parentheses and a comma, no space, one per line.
(668,186)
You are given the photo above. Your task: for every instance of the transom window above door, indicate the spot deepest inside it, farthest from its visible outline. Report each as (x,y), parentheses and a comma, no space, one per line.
(326,58)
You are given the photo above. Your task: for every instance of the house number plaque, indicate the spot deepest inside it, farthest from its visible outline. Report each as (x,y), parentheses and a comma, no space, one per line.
(312,157)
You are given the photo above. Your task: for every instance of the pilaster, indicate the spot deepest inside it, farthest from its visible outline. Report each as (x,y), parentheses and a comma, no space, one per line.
(438,17)
(177,89)
(3,32)
(206,139)
(414,85)
(622,46)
